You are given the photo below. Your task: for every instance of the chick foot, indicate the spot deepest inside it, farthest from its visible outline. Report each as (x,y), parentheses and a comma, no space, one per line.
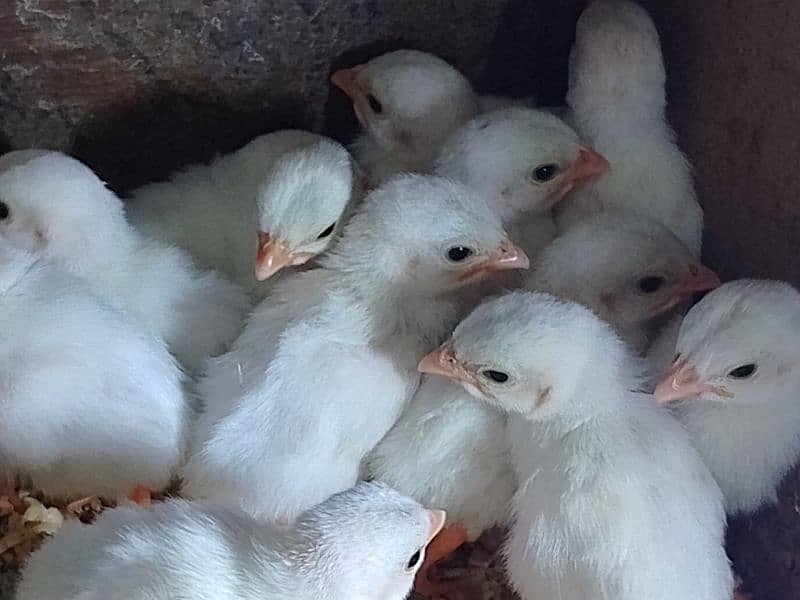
(141,495)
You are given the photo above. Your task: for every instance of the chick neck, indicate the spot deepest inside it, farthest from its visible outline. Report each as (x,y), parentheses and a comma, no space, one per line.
(602,391)
(402,316)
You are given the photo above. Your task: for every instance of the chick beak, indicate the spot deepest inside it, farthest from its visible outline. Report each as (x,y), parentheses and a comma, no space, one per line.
(679,383)
(505,257)
(590,163)
(272,256)
(438,518)
(443,362)
(700,279)
(347,81)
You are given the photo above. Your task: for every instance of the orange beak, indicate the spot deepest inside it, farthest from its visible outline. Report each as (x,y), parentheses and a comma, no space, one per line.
(679,383)
(590,163)
(273,255)
(505,257)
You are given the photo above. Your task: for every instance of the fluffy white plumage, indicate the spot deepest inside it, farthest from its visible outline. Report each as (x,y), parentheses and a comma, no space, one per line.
(290,185)
(59,210)
(407,102)
(90,403)
(631,271)
(617,99)
(737,378)
(522,161)
(326,366)
(449,451)
(614,503)
(179,549)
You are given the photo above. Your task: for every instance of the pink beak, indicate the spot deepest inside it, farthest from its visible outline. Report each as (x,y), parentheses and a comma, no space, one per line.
(443,362)
(701,279)
(273,255)
(505,257)
(438,519)
(679,383)
(590,163)
(347,81)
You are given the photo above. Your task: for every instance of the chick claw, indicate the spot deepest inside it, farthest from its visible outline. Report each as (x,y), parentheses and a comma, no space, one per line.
(88,504)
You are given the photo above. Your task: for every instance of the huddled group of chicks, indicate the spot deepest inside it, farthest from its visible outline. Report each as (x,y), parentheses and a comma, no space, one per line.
(575,405)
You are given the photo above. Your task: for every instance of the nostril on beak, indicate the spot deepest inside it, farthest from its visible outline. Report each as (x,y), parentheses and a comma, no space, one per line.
(694,270)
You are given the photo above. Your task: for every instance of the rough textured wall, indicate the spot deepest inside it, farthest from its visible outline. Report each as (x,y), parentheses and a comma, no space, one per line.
(139,88)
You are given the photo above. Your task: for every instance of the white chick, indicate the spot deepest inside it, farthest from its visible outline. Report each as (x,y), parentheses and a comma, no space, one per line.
(631,271)
(736,382)
(326,366)
(55,207)
(90,404)
(523,161)
(449,451)
(277,202)
(617,98)
(407,103)
(614,502)
(179,549)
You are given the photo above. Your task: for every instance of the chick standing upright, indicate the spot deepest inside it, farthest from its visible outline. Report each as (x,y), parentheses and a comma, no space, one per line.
(325,366)
(90,403)
(614,503)
(618,101)
(277,202)
(56,207)
(187,550)
(735,385)
(407,103)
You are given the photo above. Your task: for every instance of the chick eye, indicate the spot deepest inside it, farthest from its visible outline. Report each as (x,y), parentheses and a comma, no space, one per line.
(413,561)
(459,253)
(376,106)
(4,212)
(544,173)
(496,376)
(327,232)
(743,372)
(650,285)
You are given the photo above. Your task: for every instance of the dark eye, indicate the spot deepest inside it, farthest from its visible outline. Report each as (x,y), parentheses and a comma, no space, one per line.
(743,372)
(496,376)
(545,172)
(4,212)
(376,106)
(327,232)
(650,285)
(412,562)
(459,253)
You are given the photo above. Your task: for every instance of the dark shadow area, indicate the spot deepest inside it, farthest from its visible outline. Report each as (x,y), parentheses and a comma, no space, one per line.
(531,48)
(5,145)
(149,139)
